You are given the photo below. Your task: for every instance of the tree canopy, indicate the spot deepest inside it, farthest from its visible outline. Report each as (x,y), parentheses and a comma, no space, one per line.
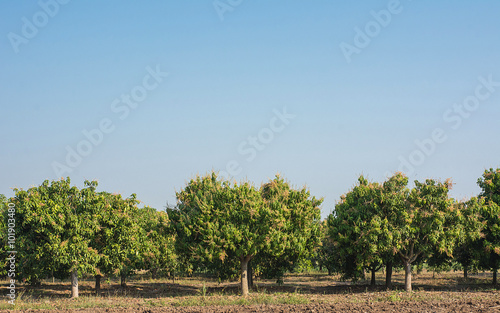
(218,222)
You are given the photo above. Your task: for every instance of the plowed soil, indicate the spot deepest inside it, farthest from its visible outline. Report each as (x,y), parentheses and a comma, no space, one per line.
(431,306)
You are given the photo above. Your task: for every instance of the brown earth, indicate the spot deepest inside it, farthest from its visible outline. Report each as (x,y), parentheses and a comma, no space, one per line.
(478,305)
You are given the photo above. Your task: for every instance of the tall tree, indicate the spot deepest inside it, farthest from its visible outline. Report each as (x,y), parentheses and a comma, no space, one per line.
(216,219)
(220,220)
(55,223)
(356,229)
(361,227)
(300,227)
(393,195)
(425,225)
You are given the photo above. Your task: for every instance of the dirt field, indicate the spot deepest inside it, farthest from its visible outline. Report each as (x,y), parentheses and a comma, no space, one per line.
(446,292)
(458,305)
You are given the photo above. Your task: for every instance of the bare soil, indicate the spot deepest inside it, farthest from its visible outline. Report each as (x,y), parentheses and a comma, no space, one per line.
(477,305)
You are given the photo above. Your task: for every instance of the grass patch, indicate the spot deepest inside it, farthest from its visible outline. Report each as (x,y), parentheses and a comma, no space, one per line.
(47,303)
(252,299)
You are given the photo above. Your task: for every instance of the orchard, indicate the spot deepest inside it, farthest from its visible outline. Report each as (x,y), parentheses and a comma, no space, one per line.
(240,231)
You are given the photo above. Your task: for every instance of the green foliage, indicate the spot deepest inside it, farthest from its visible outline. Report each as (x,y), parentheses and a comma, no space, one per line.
(490,185)
(428,220)
(158,242)
(118,237)
(324,255)
(467,251)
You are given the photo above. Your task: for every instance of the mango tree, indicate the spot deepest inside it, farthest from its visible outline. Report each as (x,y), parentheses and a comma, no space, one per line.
(220,220)
(216,219)
(118,237)
(55,223)
(157,246)
(427,223)
(355,228)
(393,195)
(324,253)
(361,230)
(299,224)
(468,250)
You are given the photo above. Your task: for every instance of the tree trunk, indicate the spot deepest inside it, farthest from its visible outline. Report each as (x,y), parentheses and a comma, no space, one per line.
(244,275)
(153,272)
(465,271)
(329,272)
(388,275)
(123,279)
(373,282)
(495,276)
(407,266)
(97,283)
(74,284)
(250,275)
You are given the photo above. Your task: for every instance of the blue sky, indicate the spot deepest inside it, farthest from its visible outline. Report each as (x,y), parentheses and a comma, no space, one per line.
(419,68)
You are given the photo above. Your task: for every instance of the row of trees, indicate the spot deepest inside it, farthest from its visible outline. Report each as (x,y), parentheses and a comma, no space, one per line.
(384,224)
(62,231)
(225,228)
(238,230)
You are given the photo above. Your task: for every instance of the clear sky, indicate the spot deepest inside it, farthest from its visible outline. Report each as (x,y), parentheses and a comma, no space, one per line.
(142,96)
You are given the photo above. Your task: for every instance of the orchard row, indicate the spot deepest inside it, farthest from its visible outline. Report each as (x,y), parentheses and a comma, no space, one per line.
(236,230)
